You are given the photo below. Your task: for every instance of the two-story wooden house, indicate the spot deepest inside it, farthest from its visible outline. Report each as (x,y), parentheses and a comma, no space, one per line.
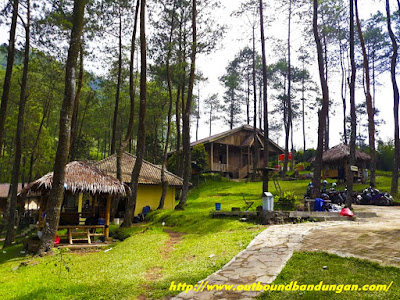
(231,152)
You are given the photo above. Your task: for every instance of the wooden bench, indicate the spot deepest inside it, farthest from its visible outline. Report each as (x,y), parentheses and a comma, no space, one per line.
(82,232)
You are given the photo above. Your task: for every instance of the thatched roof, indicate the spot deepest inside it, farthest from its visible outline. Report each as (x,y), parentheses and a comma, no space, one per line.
(81,177)
(149,174)
(341,152)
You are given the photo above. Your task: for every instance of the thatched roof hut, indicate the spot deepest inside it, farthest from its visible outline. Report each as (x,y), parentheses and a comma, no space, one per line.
(150,174)
(340,153)
(335,162)
(80,177)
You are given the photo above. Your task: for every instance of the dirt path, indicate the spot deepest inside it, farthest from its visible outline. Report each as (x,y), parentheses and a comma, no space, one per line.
(174,238)
(155,273)
(376,239)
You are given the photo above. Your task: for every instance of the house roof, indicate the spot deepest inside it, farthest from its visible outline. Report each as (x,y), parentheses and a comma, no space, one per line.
(248,142)
(81,177)
(149,174)
(4,188)
(341,152)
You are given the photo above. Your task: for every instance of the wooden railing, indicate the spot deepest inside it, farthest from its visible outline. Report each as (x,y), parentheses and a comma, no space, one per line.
(219,167)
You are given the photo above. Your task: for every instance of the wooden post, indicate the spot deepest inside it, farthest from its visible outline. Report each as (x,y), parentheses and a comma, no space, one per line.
(40,212)
(363,179)
(80,200)
(212,157)
(248,160)
(227,156)
(241,158)
(107,219)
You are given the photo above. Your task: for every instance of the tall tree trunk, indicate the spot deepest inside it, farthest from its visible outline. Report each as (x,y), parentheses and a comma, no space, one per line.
(210,118)
(255,144)
(325,103)
(12,197)
(131,202)
(164,182)
(7,78)
(187,112)
(289,100)
(32,159)
(370,108)
(198,114)
(352,156)
(178,121)
(180,100)
(303,106)
(265,101)
(115,119)
(395,173)
(56,193)
(132,96)
(260,97)
(248,99)
(231,115)
(326,138)
(74,121)
(84,112)
(343,92)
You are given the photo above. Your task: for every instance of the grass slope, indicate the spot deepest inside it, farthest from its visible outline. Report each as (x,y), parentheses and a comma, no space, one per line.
(142,264)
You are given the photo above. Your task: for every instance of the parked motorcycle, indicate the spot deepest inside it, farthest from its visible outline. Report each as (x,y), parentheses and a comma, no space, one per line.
(337,197)
(309,192)
(371,196)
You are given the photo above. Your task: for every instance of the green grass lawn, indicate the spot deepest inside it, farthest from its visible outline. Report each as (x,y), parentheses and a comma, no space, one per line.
(146,262)
(307,268)
(141,264)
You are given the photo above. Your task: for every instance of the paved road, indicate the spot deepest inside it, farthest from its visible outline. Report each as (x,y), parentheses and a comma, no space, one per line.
(372,238)
(261,261)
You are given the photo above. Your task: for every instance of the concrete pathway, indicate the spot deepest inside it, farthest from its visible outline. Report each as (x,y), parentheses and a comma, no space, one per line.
(261,261)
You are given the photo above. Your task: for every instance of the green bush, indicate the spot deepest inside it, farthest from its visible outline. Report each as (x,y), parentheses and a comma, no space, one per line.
(199,159)
(286,202)
(213,177)
(171,165)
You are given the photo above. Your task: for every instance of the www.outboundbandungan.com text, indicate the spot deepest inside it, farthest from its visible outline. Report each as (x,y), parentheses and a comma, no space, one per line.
(292,286)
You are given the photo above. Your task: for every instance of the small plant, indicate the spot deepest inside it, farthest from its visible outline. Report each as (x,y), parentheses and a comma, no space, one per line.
(287,201)
(303,166)
(60,262)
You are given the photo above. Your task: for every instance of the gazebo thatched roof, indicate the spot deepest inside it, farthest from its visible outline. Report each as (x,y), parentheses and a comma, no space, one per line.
(340,153)
(150,174)
(80,177)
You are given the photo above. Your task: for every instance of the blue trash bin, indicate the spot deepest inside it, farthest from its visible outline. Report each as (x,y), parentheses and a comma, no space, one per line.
(217,206)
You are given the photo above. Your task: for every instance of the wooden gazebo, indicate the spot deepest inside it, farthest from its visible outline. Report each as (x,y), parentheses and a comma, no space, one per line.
(87,200)
(335,162)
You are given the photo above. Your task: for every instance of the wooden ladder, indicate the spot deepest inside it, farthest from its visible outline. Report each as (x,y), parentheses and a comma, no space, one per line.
(276,184)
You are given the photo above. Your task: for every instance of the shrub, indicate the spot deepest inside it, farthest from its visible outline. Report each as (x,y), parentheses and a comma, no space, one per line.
(286,202)
(199,159)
